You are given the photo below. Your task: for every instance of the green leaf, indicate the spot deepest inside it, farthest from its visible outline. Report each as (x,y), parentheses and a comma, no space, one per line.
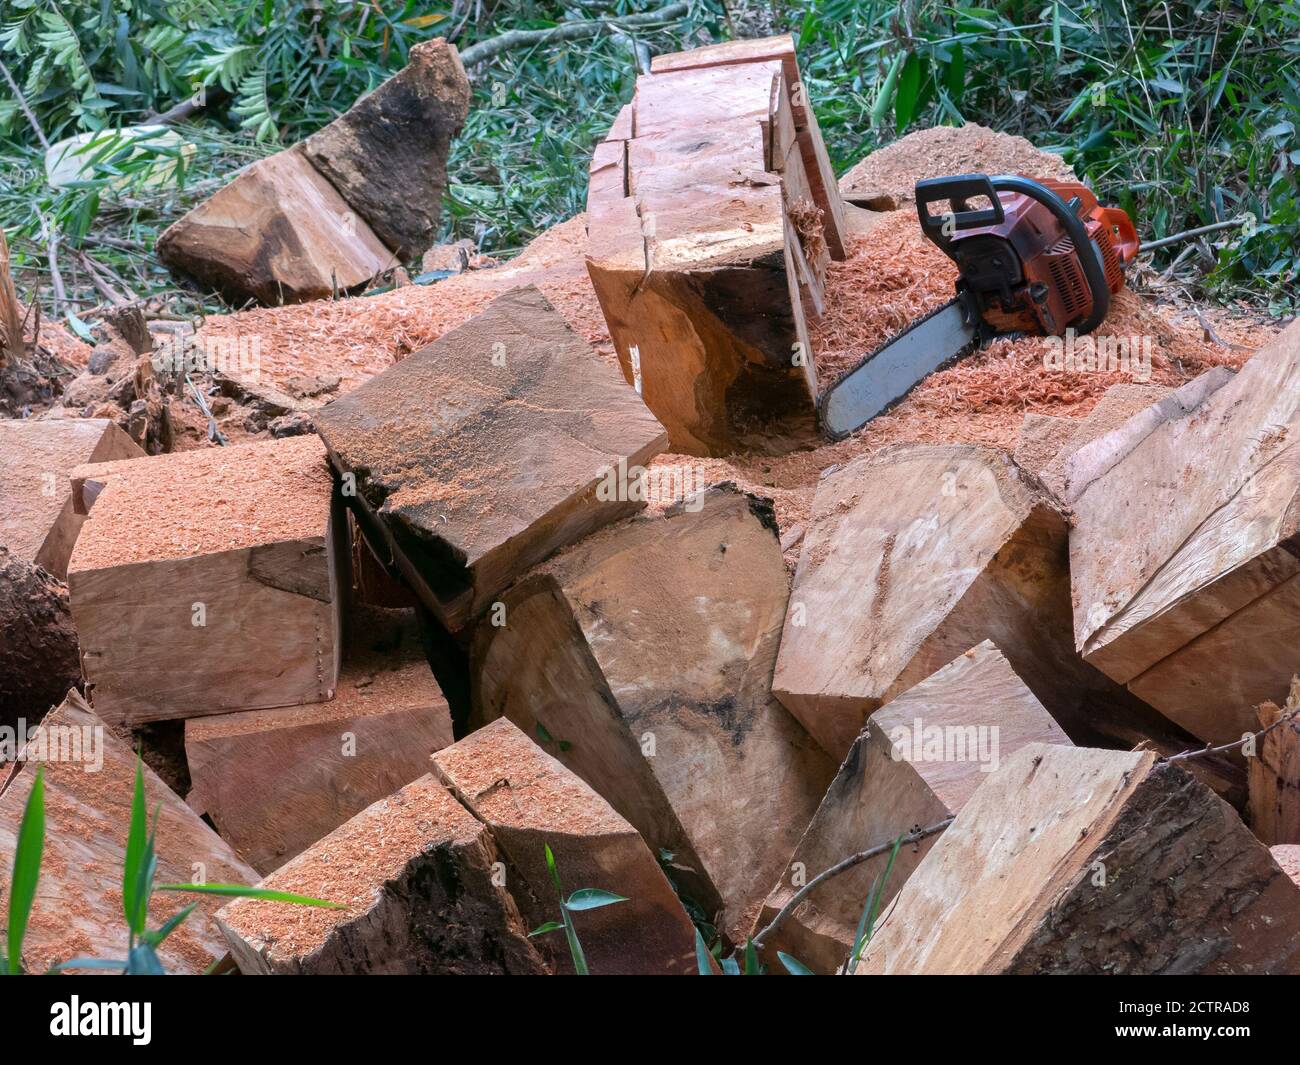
(97,964)
(955,81)
(793,965)
(730,967)
(549,926)
(703,959)
(238,891)
(143,961)
(169,926)
(26,871)
(134,863)
(752,967)
(80,328)
(909,90)
(590,898)
(550,868)
(886,94)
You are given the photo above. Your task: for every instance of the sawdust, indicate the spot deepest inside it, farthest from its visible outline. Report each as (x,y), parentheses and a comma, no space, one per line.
(887,177)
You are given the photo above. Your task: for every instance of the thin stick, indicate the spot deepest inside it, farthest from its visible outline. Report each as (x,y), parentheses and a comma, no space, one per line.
(1183,756)
(914,836)
(40,133)
(566,31)
(1188,234)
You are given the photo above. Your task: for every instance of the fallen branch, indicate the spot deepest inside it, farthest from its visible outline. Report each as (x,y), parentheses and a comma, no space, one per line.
(12,343)
(567,31)
(1290,715)
(22,103)
(915,836)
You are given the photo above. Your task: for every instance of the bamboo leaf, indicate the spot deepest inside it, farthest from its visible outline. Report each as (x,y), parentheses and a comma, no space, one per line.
(26,871)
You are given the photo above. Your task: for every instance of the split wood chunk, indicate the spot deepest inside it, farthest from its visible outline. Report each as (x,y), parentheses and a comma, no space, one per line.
(207,581)
(278,233)
(1070,860)
(706,242)
(642,657)
(1274,773)
(529,802)
(480,455)
(89,784)
(822,186)
(915,554)
(276,781)
(38,642)
(387,155)
(420,879)
(1185,552)
(917,762)
(1287,856)
(38,521)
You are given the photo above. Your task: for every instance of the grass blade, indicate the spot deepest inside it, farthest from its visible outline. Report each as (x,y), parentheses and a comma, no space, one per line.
(238,891)
(26,871)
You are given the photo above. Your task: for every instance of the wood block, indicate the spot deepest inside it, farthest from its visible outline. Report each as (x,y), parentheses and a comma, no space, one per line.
(206,581)
(1185,553)
(278,233)
(1066,860)
(387,154)
(645,653)
(1287,856)
(78,909)
(1274,773)
(915,554)
(276,781)
(38,642)
(529,801)
(483,453)
(420,879)
(918,761)
(812,149)
(704,244)
(38,522)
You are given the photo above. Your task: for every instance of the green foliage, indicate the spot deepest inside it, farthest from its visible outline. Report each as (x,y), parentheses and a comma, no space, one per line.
(139,865)
(581,900)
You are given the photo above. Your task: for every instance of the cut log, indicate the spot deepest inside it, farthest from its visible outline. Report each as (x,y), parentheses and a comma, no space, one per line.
(276,781)
(387,155)
(705,242)
(421,882)
(1274,773)
(480,455)
(1287,856)
(822,185)
(89,784)
(915,554)
(642,658)
(529,802)
(38,522)
(205,582)
(278,233)
(917,762)
(1185,553)
(38,642)
(1069,860)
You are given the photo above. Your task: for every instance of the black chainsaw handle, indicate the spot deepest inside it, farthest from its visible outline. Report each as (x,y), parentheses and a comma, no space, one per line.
(962,187)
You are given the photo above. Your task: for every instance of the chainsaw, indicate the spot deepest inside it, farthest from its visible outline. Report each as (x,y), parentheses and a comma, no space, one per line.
(1042,257)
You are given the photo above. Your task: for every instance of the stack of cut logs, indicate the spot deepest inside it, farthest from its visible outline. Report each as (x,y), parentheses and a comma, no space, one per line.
(390,663)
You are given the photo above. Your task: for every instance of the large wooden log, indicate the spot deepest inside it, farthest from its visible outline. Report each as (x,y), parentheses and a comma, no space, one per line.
(917,762)
(1274,773)
(1185,552)
(206,581)
(529,802)
(387,155)
(38,522)
(421,881)
(705,243)
(275,781)
(1070,860)
(915,554)
(645,654)
(278,233)
(38,642)
(480,455)
(89,784)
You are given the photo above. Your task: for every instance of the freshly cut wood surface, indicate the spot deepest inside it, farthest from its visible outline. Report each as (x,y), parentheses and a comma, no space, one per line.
(1274,809)
(38,522)
(207,581)
(89,784)
(1066,861)
(419,880)
(1185,552)
(275,781)
(278,233)
(480,455)
(529,802)
(918,761)
(645,653)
